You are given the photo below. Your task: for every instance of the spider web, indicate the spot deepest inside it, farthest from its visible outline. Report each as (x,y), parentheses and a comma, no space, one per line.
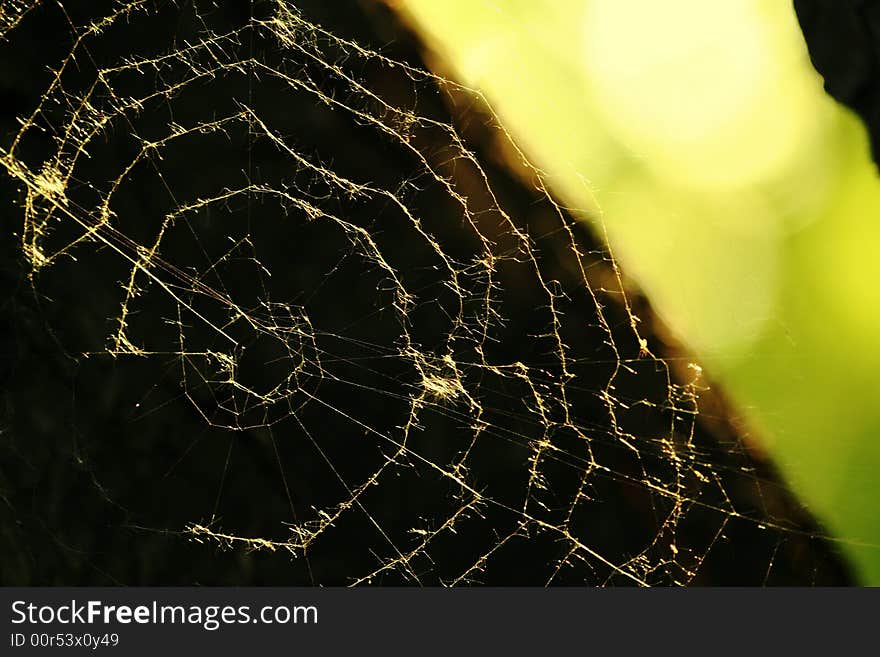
(313,322)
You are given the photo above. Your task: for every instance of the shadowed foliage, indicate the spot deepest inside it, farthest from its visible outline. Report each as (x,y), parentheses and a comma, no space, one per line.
(843,37)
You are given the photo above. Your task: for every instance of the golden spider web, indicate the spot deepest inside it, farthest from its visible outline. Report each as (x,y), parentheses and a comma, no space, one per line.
(389,339)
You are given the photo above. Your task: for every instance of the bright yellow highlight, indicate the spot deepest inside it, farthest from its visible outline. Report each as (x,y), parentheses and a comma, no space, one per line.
(698,86)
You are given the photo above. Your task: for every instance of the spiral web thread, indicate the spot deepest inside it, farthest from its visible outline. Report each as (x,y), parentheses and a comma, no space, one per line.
(209,325)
